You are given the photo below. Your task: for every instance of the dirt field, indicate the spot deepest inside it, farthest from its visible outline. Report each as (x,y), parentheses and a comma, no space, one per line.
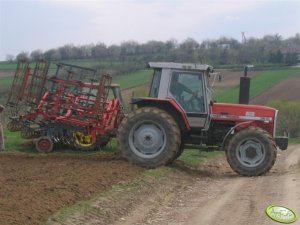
(6,74)
(288,89)
(211,194)
(34,187)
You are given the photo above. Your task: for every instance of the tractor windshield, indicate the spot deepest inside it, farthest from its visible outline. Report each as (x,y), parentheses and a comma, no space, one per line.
(187,89)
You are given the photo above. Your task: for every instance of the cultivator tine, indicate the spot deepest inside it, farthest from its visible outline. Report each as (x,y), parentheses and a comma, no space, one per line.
(37,84)
(19,84)
(102,94)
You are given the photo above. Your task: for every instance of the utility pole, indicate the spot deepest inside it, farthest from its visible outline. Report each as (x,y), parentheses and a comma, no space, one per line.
(243,37)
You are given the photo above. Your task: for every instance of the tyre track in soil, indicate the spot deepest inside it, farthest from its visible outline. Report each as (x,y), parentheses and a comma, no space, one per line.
(219,196)
(32,187)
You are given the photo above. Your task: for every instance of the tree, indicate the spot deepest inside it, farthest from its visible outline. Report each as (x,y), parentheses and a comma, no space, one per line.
(276,57)
(52,54)
(129,48)
(100,50)
(291,58)
(85,51)
(36,55)
(23,56)
(68,52)
(9,58)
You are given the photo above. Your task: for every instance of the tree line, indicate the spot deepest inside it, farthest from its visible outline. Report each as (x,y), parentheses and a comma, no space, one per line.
(270,49)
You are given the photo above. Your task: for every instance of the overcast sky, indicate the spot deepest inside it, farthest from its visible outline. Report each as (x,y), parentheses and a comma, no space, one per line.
(27,25)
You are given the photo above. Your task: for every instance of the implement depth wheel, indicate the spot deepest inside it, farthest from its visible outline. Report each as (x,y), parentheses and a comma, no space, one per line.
(149,137)
(44,144)
(251,152)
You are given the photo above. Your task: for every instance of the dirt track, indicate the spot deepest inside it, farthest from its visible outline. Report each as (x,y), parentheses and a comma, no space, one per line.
(217,196)
(34,187)
(211,194)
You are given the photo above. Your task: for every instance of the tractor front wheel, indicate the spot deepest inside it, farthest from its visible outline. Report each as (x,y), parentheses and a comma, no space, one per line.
(149,137)
(251,152)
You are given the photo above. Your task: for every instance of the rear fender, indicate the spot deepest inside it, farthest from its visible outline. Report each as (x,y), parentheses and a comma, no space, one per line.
(168,105)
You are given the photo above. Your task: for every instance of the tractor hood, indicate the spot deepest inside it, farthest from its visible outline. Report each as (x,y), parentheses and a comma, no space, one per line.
(240,112)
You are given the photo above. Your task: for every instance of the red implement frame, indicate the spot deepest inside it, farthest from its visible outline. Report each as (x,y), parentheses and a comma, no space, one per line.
(71,105)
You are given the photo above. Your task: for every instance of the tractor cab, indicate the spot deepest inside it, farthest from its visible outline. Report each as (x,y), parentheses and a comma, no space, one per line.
(186,87)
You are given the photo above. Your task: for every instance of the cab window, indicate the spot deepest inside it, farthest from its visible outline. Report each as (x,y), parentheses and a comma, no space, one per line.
(187,89)
(155,84)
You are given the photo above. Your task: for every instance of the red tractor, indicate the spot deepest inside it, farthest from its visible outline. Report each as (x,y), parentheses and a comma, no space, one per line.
(180,113)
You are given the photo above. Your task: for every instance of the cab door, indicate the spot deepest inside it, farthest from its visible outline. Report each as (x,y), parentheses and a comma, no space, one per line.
(188,90)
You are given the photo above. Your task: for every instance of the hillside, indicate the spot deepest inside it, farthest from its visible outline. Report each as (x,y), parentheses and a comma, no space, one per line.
(287,90)
(261,82)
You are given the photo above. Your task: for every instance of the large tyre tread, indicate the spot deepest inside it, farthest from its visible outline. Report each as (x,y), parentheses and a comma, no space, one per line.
(233,144)
(129,122)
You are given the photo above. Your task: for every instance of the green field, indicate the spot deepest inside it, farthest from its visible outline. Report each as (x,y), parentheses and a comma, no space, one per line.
(5,82)
(126,81)
(133,79)
(91,63)
(259,84)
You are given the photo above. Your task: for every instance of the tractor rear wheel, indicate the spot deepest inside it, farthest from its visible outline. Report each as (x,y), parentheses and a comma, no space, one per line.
(251,152)
(149,137)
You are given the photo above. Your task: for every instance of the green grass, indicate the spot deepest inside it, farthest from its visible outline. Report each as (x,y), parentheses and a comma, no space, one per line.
(126,81)
(91,63)
(5,82)
(259,84)
(8,66)
(133,79)
(13,143)
(194,157)
(13,140)
(294,141)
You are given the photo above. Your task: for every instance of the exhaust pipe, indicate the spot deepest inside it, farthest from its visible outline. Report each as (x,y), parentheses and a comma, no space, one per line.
(244,96)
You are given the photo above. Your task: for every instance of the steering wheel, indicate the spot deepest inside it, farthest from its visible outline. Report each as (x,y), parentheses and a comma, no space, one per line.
(194,96)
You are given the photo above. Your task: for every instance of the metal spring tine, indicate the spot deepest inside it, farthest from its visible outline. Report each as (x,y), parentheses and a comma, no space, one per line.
(55,140)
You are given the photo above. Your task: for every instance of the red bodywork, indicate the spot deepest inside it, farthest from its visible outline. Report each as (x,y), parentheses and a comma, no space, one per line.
(255,115)
(258,116)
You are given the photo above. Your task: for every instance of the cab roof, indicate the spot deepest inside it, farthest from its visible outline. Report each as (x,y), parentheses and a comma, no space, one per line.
(185,66)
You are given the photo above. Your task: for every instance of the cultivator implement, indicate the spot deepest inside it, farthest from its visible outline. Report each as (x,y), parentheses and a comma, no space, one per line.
(36,86)
(18,86)
(69,108)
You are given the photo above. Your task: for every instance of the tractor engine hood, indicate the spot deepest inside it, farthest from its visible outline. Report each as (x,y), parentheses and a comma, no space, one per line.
(240,112)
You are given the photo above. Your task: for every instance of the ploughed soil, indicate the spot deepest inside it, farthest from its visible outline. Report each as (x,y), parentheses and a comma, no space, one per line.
(288,89)
(32,187)
(7,73)
(210,194)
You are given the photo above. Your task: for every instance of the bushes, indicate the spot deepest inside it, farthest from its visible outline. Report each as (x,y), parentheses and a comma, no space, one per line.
(289,117)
